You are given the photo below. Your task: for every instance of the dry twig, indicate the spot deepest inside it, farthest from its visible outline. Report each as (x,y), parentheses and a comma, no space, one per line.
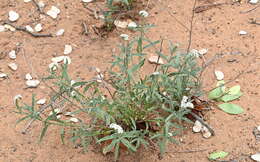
(244,12)
(191,26)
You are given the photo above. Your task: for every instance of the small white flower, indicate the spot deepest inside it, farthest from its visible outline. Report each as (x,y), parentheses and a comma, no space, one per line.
(38,27)
(124,36)
(116,127)
(132,25)
(219,75)
(13,16)
(170,134)
(67,60)
(53,66)
(32,83)
(185,103)
(144,13)
(73,93)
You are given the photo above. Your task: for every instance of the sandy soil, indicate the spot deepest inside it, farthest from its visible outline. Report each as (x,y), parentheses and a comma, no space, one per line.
(215,29)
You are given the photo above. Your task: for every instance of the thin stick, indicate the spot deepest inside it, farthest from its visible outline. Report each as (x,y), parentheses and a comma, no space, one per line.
(157,62)
(203,123)
(191,26)
(244,12)
(189,151)
(85,28)
(38,7)
(23,29)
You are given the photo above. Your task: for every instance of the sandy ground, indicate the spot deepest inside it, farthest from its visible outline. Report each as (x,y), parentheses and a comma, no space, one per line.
(215,29)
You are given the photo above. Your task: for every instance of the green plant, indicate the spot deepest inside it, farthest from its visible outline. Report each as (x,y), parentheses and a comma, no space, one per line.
(129,108)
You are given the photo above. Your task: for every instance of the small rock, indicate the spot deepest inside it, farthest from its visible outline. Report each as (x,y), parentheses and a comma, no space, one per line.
(26,1)
(41,4)
(13,16)
(87,1)
(57,59)
(55,9)
(75,120)
(32,83)
(68,114)
(2,28)
(219,75)
(197,126)
(52,14)
(3,75)
(29,28)
(154,60)
(28,76)
(256,157)
(242,32)
(12,54)
(144,13)
(41,101)
(13,66)
(38,27)
(9,27)
(60,32)
(253,1)
(132,25)
(203,51)
(67,49)
(205,132)
(120,24)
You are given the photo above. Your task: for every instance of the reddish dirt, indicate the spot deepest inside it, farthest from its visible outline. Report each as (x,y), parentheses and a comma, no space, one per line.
(215,29)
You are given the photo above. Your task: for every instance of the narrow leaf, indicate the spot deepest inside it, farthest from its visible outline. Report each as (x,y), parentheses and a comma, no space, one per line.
(217,155)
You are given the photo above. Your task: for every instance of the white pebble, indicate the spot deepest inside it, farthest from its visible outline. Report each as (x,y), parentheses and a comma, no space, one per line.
(242,32)
(197,126)
(9,27)
(67,49)
(124,36)
(75,120)
(205,132)
(52,14)
(154,60)
(132,25)
(13,16)
(3,75)
(29,28)
(87,1)
(32,83)
(253,1)
(144,13)
(38,27)
(41,101)
(28,76)
(256,157)
(13,66)
(26,1)
(219,75)
(12,54)
(203,51)
(55,9)
(2,28)
(120,24)
(60,32)
(41,4)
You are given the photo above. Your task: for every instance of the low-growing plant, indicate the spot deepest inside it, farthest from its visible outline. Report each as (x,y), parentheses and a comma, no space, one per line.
(127,108)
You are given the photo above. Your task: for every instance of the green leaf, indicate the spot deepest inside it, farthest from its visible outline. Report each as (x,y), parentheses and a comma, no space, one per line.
(128,144)
(217,155)
(234,90)
(109,147)
(215,93)
(229,97)
(231,108)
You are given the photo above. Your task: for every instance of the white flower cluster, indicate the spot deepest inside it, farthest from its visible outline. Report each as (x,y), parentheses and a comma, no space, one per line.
(186,103)
(116,127)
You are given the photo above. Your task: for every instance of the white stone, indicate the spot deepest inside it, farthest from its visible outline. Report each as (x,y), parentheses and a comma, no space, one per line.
(203,51)
(41,4)
(9,27)
(75,120)
(154,60)
(219,75)
(87,1)
(253,1)
(12,54)
(124,36)
(67,60)
(28,76)
(29,28)
(60,32)
(57,59)
(13,16)
(67,49)
(3,75)
(258,128)
(52,14)
(132,25)
(41,101)
(242,32)
(2,28)
(256,157)
(38,27)
(197,126)
(144,13)
(32,83)
(13,66)
(55,9)
(68,114)
(205,132)
(26,1)
(120,24)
